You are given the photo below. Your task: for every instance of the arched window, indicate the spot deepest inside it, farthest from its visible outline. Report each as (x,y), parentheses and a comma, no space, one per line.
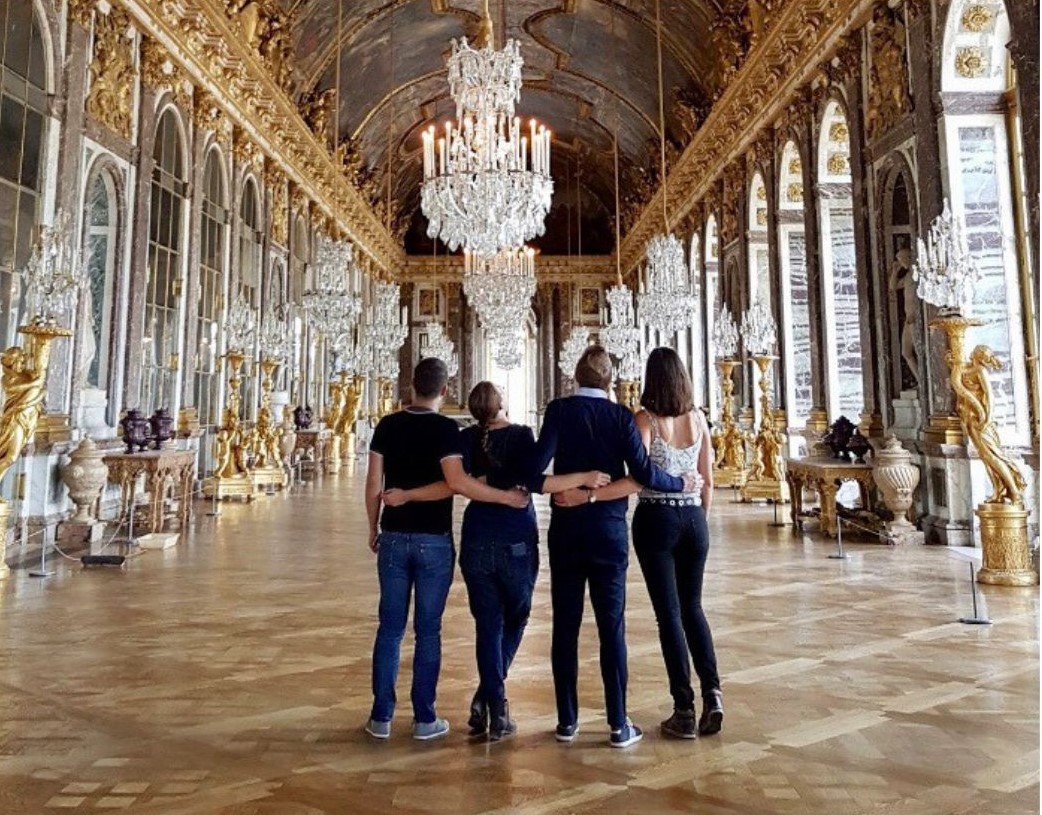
(713,300)
(100,241)
(248,281)
(696,337)
(213,253)
(759,263)
(839,267)
(794,336)
(165,267)
(23,102)
(298,265)
(981,148)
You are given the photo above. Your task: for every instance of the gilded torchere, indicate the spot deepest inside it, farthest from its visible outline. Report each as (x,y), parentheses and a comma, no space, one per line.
(231,477)
(728,440)
(1003,517)
(266,439)
(766,474)
(24,382)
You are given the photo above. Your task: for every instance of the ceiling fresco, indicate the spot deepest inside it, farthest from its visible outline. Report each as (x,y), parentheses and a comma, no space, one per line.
(590,72)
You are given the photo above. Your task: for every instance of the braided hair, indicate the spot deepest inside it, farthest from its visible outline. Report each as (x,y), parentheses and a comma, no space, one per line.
(485,402)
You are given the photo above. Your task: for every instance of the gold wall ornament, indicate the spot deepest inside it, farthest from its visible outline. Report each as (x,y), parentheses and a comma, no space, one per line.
(978,18)
(728,439)
(888,99)
(244,151)
(765,477)
(82,11)
(971,62)
(839,132)
(112,72)
(629,394)
(206,113)
(838,164)
(24,381)
(794,193)
(1003,517)
(317,108)
(231,478)
(275,181)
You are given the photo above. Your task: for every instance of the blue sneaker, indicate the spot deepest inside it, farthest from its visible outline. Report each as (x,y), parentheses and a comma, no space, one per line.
(626,735)
(566,733)
(378,730)
(428,731)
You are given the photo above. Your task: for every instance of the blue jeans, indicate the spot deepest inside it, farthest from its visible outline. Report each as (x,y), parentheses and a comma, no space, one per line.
(500,578)
(406,561)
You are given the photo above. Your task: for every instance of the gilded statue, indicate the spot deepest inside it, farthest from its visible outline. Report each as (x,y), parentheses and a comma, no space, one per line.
(973,404)
(902,282)
(224,460)
(729,448)
(274,46)
(251,16)
(112,72)
(888,85)
(767,463)
(24,377)
(352,407)
(316,107)
(336,404)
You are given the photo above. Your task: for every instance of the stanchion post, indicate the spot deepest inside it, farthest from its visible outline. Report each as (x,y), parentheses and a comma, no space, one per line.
(42,571)
(839,554)
(976,619)
(776,522)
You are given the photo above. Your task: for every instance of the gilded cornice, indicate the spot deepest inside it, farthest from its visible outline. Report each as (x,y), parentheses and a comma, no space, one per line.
(207,45)
(801,34)
(594,270)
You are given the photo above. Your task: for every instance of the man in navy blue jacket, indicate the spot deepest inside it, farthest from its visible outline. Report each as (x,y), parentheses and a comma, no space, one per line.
(590,543)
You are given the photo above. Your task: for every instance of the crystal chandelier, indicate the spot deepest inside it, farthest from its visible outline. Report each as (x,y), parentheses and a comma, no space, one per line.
(329,305)
(388,329)
(725,334)
(486,183)
(667,303)
(621,337)
(758,330)
(944,269)
(53,279)
(240,324)
(274,337)
(572,349)
(439,346)
(500,289)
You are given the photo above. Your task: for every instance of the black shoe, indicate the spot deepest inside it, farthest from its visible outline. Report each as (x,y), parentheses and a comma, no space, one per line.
(500,724)
(478,721)
(566,733)
(626,735)
(712,718)
(681,725)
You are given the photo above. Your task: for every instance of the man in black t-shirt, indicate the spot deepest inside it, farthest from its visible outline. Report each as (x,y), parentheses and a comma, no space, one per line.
(413,542)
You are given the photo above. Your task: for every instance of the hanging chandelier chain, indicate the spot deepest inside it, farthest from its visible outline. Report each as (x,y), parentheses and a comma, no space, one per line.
(661,113)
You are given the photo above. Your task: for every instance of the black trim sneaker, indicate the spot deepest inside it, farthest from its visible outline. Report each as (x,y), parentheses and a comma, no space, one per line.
(712,718)
(500,724)
(478,721)
(681,725)
(566,733)
(626,735)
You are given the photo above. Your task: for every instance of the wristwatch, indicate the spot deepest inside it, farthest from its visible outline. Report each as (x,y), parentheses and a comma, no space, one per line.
(591,497)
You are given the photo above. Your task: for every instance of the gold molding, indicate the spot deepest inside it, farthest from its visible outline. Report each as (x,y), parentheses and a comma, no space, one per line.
(788,55)
(592,270)
(208,46)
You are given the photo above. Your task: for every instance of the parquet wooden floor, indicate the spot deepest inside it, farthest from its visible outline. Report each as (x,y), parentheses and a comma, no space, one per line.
(230,676)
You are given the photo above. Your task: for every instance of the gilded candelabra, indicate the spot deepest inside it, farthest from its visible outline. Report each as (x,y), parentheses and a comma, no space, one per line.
(265,441)
(1003,517)
(24,381)
(766,474)
(231,477)
(386,403)
(629,394)
(728,440)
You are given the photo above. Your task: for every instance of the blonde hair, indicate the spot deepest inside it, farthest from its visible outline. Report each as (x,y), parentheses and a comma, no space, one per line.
(594,369)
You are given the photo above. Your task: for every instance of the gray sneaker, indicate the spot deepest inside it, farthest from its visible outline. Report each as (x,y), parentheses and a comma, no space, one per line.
(681,725)
(378,730)
(427,731)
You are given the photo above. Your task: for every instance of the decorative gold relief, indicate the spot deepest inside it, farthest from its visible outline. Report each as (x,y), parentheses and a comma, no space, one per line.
(112,72)
(839,132)
(206,113)
(795,166)
(81,11)
(276,182)
(970,62)
(244,151)
(838,164)
(298,200)
(761,217)
(888,78)
(794,193)
(317,108)
(978,18)
(159,71)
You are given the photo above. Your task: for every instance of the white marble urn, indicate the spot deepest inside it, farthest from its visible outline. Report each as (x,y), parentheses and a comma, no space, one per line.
(85,474)
(897,478)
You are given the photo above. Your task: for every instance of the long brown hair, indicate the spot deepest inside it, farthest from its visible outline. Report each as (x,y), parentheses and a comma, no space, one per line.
(667,386)
(484,403)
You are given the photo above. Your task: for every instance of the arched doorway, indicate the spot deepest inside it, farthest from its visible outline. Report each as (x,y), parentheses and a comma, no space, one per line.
(794,333)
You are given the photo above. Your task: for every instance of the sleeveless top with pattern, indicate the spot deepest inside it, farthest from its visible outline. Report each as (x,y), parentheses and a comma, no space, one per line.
(675,461)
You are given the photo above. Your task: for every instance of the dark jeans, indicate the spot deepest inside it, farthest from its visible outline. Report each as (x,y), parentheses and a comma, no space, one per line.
(408,561)
(500,578)
(671,545)
(596,555)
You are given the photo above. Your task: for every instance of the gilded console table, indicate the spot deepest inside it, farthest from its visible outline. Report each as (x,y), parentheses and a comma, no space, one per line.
(161,468)
(824,476)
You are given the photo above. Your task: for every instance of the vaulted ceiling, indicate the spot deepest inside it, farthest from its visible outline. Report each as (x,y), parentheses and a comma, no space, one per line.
(579,79)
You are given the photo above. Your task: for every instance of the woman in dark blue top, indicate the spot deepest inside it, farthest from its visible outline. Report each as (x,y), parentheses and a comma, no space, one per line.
(499,554)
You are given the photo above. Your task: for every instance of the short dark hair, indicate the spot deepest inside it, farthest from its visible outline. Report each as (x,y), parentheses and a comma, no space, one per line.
(429,377)
(594,369)
(485,402)
(667,386)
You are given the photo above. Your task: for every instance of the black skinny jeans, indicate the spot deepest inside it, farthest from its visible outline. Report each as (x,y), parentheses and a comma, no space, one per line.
(671,544)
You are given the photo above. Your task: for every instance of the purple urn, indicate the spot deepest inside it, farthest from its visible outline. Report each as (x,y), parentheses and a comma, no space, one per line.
(162,425)
(135,430)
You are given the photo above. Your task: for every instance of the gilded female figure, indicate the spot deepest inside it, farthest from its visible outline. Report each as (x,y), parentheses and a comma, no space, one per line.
(23,382)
